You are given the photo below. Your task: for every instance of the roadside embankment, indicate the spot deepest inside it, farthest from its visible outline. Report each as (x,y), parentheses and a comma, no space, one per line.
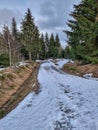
(80,70)
(15,84)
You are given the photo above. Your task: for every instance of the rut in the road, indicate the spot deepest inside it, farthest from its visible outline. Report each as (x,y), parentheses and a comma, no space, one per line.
(64,103)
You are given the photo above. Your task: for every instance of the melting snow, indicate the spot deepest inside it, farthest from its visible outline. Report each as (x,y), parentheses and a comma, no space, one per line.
(65,102)
(90,76)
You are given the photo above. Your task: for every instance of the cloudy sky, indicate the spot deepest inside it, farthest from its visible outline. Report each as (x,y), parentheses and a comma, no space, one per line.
(50,15)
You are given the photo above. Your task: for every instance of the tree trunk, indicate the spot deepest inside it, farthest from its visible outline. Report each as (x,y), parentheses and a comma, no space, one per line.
(37,56)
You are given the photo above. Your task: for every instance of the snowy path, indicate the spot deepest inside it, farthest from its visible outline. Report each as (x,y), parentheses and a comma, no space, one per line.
(65,102)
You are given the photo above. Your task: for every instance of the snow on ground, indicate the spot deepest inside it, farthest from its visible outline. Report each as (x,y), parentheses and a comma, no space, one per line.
(61,62)
(65,102)
(90,76)
(22,63)
(2,69)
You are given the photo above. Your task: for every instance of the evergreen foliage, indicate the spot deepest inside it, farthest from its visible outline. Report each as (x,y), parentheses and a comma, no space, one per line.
(54,46)
(46,44)
(24,52)
(57,41)
(36,44)
(83,34)
(15,42)
(4,60)
(14,29)
(51,46)
(27,29)
(42,48)
(27,43)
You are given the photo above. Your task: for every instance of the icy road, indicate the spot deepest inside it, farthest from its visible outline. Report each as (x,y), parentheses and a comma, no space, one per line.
(64,102)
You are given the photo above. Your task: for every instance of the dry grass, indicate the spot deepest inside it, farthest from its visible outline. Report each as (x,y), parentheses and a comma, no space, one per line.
(16,84)
(80,70)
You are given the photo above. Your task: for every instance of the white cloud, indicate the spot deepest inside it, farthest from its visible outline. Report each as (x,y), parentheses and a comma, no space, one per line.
(50,15)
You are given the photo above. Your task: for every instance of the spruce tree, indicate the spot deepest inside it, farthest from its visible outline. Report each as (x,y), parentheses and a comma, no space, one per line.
(14,28)
(46,44)
(27,29)
(57,46)
(42,48)
(15,41)
(36,44)
(57,41)
(84,31)
(51,46)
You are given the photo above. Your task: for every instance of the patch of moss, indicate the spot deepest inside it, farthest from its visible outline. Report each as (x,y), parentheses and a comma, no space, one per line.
(2,76)
(2,113)
(10,76)
(72,69)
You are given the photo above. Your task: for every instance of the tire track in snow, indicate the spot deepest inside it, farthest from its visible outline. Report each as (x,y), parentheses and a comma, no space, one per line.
(64,103)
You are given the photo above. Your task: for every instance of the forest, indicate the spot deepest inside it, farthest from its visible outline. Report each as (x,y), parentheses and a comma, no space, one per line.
(47,87)
(27,43)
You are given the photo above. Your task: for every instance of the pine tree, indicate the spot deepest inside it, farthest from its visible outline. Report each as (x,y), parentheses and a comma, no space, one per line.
(51,46)
(57,41)
(14,28)
(27,29)
(42,47)
(84,30)
(15,41)
(52,40)
(57,46)
(96,21)
(36,44)
(46,44)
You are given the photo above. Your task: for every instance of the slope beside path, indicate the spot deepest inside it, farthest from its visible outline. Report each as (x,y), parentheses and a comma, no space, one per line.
(15,84)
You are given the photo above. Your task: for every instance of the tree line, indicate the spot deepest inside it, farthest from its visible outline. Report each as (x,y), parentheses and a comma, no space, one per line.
(83,34)
(27,42)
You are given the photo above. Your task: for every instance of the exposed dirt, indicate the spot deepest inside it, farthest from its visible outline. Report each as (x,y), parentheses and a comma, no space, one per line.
(15,84)
(80,70)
